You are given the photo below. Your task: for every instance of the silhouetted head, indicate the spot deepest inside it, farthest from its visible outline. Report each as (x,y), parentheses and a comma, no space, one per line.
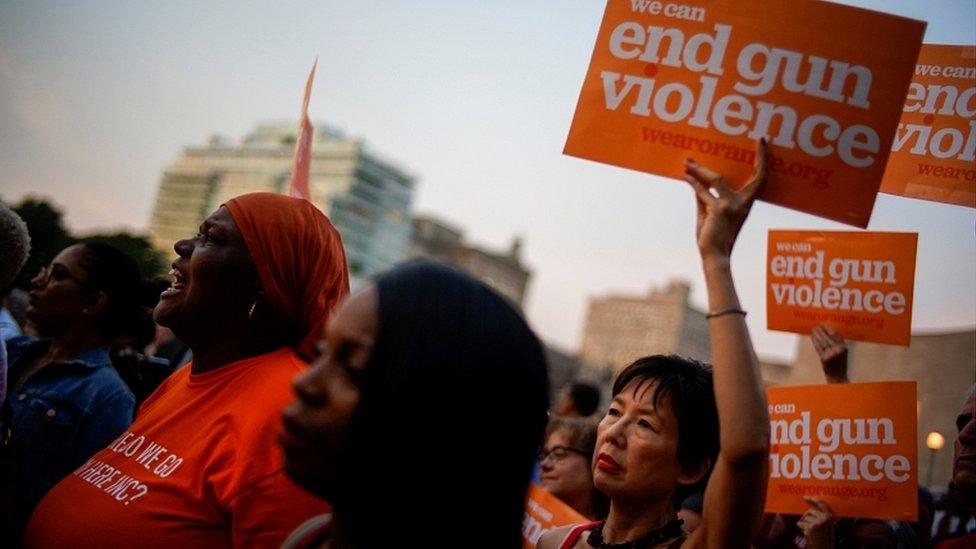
(430,387)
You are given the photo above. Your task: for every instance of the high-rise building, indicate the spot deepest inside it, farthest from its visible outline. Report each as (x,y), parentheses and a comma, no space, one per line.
(437,240)
(942,364)
(366,197)
(622,328)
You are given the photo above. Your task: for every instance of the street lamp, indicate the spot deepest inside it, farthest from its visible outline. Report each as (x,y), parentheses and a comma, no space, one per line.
(935,442)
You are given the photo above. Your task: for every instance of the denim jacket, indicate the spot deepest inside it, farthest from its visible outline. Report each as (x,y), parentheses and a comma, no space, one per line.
(60,416)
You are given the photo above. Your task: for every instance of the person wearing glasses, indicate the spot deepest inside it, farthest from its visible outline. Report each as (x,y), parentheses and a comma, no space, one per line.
(421,420)
(66,401)
(564,464)
(660,439)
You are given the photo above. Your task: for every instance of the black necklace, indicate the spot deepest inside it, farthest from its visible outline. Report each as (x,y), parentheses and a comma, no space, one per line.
(670,530)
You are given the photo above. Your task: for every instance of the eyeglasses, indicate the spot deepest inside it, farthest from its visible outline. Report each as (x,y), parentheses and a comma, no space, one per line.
(559,453)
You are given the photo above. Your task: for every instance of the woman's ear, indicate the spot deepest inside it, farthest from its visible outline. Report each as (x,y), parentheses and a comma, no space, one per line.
(96,304)
(691,474)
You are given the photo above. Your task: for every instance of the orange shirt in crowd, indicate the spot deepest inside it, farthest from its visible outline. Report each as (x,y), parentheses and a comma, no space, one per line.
(199,468)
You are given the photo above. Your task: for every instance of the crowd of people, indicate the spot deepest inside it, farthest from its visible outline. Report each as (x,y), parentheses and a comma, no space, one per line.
(262,405)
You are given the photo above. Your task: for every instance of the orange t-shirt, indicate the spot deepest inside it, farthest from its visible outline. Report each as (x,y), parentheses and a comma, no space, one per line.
(199,468)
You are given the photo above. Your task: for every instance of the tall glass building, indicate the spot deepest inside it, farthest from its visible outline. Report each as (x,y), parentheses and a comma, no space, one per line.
(368,198)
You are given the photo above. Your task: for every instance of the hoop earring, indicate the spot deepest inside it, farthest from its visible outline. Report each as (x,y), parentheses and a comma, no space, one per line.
(250,313)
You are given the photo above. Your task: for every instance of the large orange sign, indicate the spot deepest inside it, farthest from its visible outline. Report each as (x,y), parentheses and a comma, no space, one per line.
(934,153)
(859,283)
(824,83)
(543,512)
(852,445)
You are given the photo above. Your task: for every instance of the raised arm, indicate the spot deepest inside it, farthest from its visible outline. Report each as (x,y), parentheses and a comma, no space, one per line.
(736,491)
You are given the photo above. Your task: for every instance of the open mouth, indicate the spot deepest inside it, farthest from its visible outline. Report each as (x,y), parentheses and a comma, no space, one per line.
(176,285)
(291,436)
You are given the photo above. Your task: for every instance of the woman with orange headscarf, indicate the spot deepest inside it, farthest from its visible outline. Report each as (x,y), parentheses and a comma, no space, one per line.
(200,467)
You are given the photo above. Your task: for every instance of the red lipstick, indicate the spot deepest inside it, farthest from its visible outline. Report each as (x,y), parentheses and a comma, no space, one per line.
(607,463)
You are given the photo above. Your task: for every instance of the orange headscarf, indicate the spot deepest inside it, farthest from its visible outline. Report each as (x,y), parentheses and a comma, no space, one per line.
(299,257)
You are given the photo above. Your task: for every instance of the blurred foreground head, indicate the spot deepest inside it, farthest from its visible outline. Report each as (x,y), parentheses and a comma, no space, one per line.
(430,387)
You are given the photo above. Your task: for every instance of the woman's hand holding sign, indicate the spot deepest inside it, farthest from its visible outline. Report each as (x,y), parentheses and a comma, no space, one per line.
(722,213)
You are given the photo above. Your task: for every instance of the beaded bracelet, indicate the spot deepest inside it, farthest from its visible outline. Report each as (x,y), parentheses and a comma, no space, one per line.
(723,312)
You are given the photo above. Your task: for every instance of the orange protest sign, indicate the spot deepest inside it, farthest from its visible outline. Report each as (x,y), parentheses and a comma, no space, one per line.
(852,445)
(707,78)
(933,154)
(543,512)
(859,283)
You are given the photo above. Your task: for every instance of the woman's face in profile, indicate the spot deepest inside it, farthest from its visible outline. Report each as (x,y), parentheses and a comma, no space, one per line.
(565,468)
(57,295)
(315,425)
(213,277)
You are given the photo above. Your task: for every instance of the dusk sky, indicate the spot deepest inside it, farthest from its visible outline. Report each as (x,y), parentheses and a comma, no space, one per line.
(474,98)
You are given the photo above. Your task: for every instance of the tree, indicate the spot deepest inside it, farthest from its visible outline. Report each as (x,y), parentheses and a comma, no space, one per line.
(151,262)
(49,236)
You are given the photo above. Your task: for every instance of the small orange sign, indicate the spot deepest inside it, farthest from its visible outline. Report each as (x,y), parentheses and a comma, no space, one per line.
(543,512)
(934,153)
(859,283)
(852,445)
(824,83)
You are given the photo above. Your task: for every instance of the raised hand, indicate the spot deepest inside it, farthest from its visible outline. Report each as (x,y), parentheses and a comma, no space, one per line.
(817,524)
(832,350)
(721,215)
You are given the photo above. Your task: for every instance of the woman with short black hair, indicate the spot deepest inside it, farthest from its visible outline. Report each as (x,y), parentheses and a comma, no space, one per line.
(660,439)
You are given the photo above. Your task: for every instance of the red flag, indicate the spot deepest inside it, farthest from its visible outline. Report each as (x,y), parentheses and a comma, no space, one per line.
(298,187)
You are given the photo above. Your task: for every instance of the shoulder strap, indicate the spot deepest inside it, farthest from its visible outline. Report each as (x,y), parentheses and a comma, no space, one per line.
(309,533)
(574,535)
